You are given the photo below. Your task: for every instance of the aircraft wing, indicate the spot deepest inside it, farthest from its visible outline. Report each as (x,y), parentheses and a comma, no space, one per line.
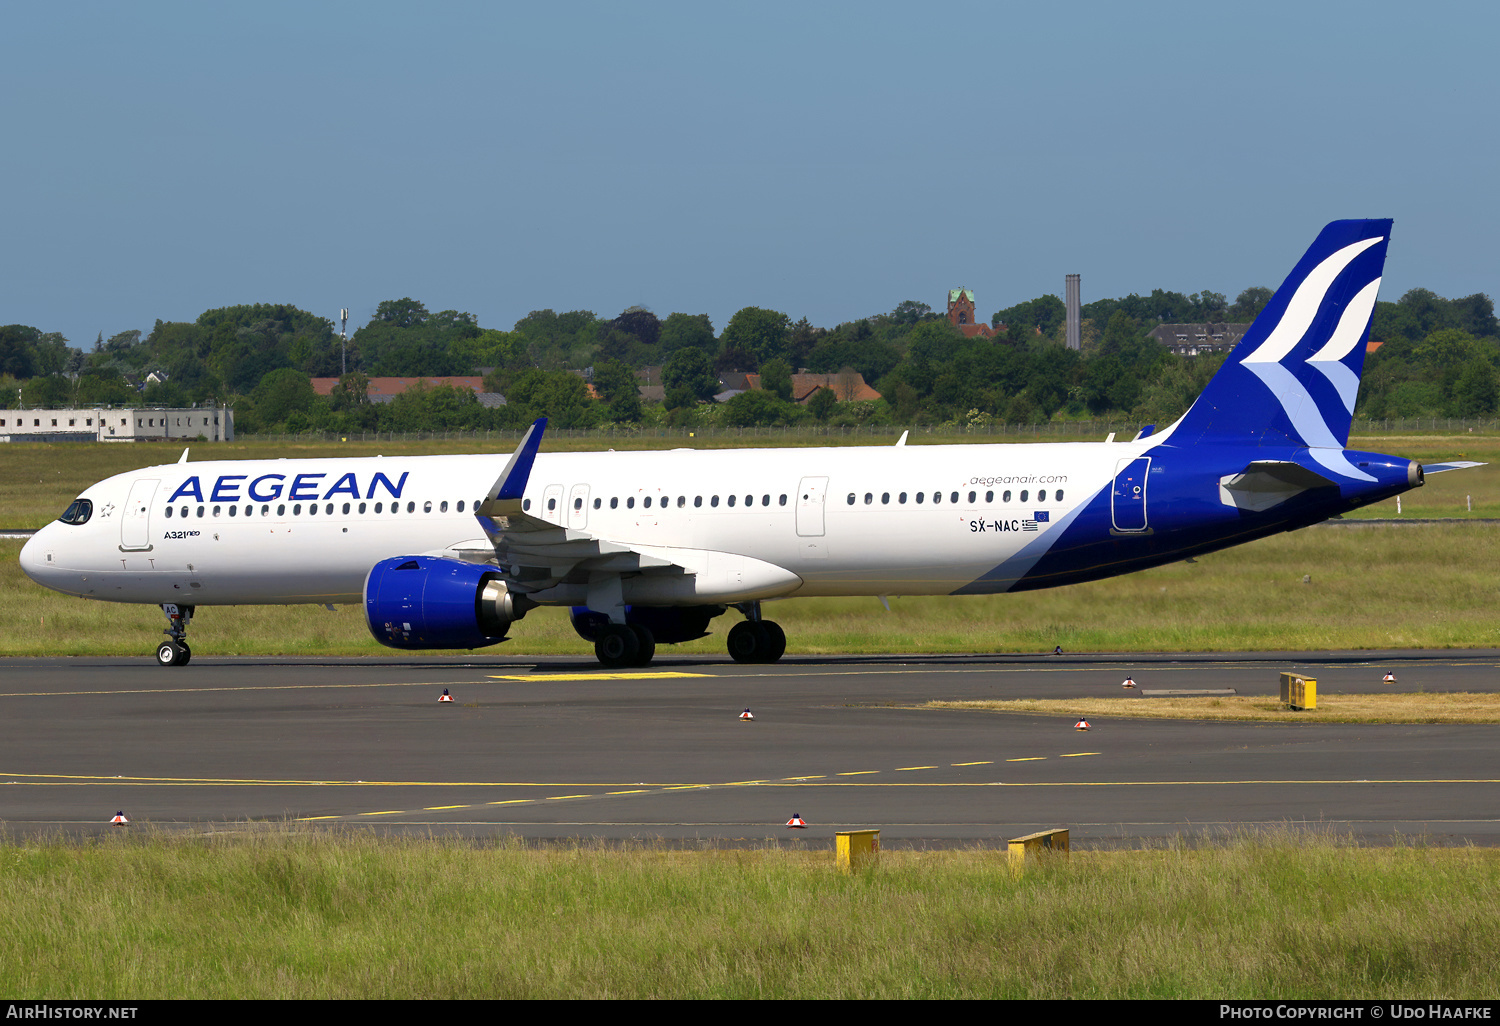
(1438,468)
(541,553)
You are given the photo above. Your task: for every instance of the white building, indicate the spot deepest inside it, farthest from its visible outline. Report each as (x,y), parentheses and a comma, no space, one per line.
(118,424)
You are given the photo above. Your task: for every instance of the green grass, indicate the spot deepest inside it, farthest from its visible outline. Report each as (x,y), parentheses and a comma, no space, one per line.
(295,914)
(1371,587)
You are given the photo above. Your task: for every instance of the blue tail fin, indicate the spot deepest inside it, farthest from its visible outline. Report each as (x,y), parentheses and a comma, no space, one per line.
(1292,380)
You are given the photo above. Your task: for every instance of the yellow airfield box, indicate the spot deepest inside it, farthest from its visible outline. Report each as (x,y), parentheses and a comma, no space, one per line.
(857,848)
(1030,847)
(1299,692)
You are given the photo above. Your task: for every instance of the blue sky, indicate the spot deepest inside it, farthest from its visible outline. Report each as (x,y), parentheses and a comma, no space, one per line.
(826,160)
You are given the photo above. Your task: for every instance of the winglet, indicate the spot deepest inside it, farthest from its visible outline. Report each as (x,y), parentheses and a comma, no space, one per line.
(505,494)
(183,458)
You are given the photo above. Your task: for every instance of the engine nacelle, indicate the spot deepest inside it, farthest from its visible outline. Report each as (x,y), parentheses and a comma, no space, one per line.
(433,602)
(669,625)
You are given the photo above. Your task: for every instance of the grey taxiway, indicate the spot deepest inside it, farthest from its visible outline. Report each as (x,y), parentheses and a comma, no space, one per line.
(555,748)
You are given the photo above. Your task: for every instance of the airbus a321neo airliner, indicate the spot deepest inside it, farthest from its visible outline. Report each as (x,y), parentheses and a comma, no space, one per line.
(648,547)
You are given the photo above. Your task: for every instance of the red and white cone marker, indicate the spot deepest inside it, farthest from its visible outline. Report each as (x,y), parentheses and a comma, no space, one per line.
(796,822)
(120,819)
(1389,678)
(747,715)
(1081,725)
(445,697)
(1129,683)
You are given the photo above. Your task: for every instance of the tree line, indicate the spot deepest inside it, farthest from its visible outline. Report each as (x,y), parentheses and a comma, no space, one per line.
(1436,357)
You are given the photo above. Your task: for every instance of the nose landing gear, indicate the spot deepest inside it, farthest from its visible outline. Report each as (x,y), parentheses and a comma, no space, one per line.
(175,651)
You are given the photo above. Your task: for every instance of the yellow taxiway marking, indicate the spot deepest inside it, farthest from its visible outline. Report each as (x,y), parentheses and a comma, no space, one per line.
(440,808)
(639,790)
(547,677)
(559,797)
(903,769)
(990,763)
(1074,755)
(513,801)
(856,773)
(392,812)
(1029,758)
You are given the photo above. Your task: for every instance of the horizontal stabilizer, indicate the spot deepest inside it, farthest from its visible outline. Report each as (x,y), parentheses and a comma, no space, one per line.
(1438,468)
(1267,483)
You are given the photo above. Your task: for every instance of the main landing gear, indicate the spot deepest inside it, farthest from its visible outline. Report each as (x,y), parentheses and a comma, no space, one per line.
(625,645)
(175,651)
(755,640)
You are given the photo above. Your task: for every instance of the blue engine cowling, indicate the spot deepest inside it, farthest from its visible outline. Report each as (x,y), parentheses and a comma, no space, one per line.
(432,602)
(667,624)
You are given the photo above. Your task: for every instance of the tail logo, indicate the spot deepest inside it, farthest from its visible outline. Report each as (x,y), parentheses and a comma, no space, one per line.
(1291,331)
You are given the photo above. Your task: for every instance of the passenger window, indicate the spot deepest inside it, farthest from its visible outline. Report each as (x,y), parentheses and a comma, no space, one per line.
(989,496)
(972,496)
(937,497)
(346,508)
(749,500)
(646,502)
(885,498)
(281,510)
(442,507)
(578,503)
(551,505)
(783,499)
(920,496)
(697,501)
(525,504)
(1024,493)
(1057,495)
(216,510)
(265,510)
(869,498)
(614,503)
(169,511)
(329,508)
(297,510)
(851,498)
(901,498)
(1041,496)
(598,503)
(731,500)
(312,509)
(362,507)
(200,511)
(1006,496)
(233,510)
(630,502)
(765,500)
(460,506)
(953,497)
(713,501)
(681,501)
(380,507)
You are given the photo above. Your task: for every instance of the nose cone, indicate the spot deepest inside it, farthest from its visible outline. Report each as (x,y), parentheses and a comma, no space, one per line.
(34,559)
(31,552)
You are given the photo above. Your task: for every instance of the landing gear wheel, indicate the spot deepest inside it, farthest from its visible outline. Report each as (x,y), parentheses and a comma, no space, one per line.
(187,654)
(617,646)
(746,642)
(647,642)
(775,639)
(169,653)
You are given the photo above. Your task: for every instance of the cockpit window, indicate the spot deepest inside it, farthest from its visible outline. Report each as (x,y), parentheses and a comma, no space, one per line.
(78,513)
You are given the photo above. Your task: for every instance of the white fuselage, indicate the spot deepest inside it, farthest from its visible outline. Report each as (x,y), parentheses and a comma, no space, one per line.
(906,520)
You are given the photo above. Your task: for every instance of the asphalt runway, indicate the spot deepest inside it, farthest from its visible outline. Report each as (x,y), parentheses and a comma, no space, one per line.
(555,748)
